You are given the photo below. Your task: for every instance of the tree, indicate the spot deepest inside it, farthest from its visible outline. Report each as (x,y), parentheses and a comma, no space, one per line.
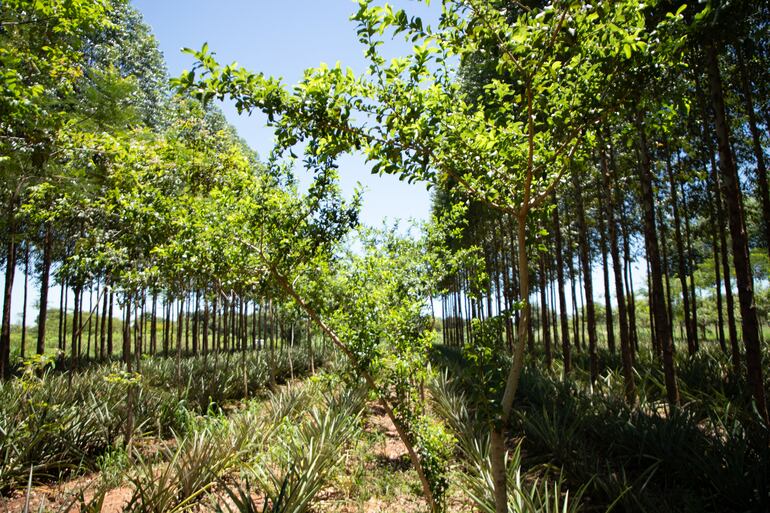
(509,148)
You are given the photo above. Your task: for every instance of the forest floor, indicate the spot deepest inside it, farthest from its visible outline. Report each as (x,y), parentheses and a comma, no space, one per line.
(375,477)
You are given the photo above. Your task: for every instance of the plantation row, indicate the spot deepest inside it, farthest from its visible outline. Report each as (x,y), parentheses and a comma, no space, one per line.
(278,454)
(563,141)
(194,331)
(56,424)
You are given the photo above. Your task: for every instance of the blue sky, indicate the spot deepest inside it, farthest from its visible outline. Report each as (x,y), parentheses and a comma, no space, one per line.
(283,38)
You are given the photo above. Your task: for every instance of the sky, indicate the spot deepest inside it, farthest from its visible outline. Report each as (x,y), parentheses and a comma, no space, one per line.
(282,38)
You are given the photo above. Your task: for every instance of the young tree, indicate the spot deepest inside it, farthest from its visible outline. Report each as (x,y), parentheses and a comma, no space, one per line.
(509,148)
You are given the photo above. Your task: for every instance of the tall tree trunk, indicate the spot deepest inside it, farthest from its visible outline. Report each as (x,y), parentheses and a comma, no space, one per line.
(196,315)
(179,328)
(633,331)
(24,306)
(667,280)
(544,313)
(608,321)
(680,260)
(76,319)
(10,270)
(658,302)
(733,200)
(573,290)
(127,331)
(62,313)
(205,324)
(717,272)
(103,327)
(109,323)
(565,343)
(154,324)
(66,309)
(588,286)
(625,338)
(756,140)
(186,304)
(690,266)
(732,324)
(214,325)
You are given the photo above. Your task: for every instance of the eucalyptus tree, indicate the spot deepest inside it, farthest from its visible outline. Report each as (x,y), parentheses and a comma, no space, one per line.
(711,26)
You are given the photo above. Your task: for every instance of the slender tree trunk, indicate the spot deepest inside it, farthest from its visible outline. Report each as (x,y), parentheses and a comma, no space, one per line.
(756,140)
(205,325)
(139,329)
(633,331)
(76,319)
(103,326)
(690,266)
(10,270)
(588,286)
(680,260)
(666,267)
(733,199)
(254,319)
(214,326)
(196,314)
(271,335)
(544,313)
(565,343)
(626,351)
(24,306)
(127,331)
(109,323)
(717,272)
(154,324)
(88,320)
(186,314)
(225,323)
(179,328)
(62,313)
(66,309)
(657,300)
(575,312)
(608,321)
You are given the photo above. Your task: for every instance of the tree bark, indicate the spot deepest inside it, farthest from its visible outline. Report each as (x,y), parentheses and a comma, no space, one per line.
(608,320)
(625,338)
(585,262)
(10,270)
(733,200)
(103,327)
(565,343)
(680,260)
(657,299)
(23,348)
(756,146)
(544,314)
